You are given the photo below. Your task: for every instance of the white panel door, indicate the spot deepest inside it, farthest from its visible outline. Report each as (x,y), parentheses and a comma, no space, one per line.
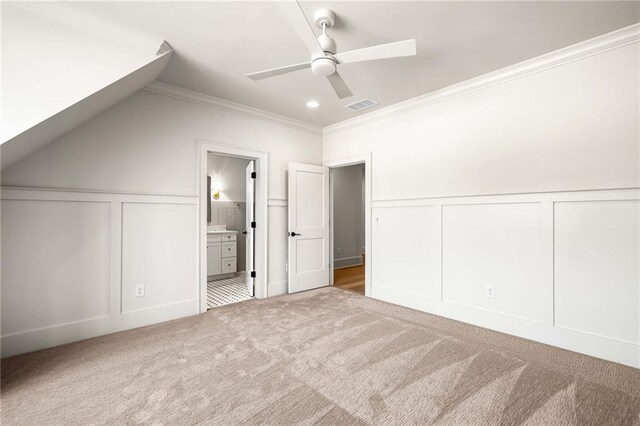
(250,217)
(308,227)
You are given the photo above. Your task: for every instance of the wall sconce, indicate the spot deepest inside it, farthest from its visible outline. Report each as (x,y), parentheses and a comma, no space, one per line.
(216,187)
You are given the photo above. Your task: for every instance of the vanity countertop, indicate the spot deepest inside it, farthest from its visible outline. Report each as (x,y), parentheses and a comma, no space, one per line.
(222,232)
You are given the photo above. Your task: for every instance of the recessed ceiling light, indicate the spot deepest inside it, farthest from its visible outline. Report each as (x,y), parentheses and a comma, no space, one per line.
(313,104)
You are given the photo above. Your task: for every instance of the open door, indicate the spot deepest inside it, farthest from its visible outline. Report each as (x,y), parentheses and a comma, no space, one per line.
(249,226)
(308,227)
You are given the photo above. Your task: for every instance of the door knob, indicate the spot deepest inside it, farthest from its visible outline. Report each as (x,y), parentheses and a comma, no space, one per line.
(293,234)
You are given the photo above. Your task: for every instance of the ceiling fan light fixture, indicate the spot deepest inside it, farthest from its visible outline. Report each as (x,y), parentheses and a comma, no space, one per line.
(313,104)
(323,66)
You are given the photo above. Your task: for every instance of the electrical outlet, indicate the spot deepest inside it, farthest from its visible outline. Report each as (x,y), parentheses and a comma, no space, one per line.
(339,250)
(140,290)
(491,291)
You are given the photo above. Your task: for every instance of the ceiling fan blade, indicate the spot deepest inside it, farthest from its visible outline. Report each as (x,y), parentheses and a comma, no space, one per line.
(339,86)
(292,12)
(381,51)
(277,71)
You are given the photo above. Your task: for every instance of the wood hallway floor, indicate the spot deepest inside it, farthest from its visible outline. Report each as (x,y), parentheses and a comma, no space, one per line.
(351,278)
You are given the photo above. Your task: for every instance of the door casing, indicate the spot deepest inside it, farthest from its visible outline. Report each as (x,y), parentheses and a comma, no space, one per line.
(261,198)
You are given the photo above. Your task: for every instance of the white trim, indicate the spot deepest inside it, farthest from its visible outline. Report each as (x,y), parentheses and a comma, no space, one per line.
(223,104)
(277,288)
(347,260)
(368,184)
(90,191)
(605,348)
(60,334)
(262,170)
(594,46)
(537,197)
(277,202)
(45,194)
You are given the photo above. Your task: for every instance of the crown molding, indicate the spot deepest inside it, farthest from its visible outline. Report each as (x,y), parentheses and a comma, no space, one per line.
(594,46)
(223,104)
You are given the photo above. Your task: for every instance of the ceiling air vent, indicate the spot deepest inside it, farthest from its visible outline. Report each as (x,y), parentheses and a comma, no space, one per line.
(360,105)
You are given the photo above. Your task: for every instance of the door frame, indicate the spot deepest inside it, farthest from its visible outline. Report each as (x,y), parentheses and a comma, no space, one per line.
(350,161)
(261,198)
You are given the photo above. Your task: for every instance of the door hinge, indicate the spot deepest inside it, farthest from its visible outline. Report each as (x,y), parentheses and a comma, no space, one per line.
(253,224)
(253,175)
(253,274)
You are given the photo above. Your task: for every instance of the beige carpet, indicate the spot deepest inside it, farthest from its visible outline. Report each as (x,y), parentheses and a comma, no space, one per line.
(322,357)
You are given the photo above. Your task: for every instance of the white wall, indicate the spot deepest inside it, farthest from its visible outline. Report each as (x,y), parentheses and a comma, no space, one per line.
(125,184)
(515,185)
(348,215)
(231,172)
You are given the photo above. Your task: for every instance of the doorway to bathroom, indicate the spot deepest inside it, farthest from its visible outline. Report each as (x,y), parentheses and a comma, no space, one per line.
(233,237)
(230,213)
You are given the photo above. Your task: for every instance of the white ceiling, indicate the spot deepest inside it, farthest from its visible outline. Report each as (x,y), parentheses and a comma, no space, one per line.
(217,43)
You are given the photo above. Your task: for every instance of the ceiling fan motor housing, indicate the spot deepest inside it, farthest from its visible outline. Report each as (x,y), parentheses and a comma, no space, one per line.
(327,43)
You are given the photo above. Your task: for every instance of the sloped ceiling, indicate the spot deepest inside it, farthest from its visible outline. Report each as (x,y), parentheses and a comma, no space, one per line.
(57,74)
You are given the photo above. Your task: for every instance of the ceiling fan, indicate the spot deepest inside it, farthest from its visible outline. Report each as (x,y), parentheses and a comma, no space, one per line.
(324,57)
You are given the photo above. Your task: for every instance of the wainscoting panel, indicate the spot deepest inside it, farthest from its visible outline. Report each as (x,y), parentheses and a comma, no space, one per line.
(159,251)
(406,250)
(70,264)
(597,258)
(493,246)
(565,266)
(55,263)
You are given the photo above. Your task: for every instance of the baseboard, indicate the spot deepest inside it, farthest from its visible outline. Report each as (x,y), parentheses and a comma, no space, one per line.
(276,288)
(47,337)
(606,348)
(346,262)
